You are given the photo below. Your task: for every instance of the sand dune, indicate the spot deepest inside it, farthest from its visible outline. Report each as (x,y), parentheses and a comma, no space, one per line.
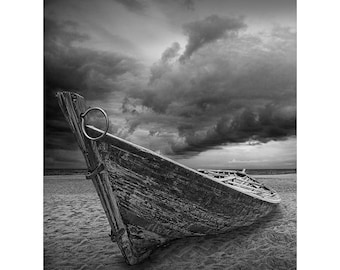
(76,234)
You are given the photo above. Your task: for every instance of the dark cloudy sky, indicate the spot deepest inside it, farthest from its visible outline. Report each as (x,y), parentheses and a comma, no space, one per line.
(211,84)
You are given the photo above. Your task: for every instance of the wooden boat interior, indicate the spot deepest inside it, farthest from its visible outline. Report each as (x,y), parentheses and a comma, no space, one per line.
(241,181)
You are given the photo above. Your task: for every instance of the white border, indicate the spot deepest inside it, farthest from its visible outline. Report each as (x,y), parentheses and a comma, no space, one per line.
(318,134)
(21,108)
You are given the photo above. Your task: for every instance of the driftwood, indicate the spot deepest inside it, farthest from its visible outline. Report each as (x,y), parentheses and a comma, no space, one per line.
(150,199)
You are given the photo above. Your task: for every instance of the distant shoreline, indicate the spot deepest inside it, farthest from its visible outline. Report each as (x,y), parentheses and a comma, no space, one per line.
(250,171)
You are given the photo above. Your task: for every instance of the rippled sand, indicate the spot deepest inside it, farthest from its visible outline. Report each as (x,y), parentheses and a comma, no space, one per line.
(76,234)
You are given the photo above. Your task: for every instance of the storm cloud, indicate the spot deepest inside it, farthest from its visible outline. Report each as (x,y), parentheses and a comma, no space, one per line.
(132,5)
(178,77)
(164,65)
(70,67)
(208,30)
(250,126)
(140,6)
(235,90)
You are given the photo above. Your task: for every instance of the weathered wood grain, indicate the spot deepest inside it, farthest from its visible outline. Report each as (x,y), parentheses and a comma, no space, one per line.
(150,199)
(150,187)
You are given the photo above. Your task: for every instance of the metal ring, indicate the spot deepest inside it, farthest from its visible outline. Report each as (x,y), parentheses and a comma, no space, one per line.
(82,116)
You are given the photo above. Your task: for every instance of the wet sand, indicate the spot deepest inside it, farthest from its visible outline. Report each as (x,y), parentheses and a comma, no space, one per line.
(76,234)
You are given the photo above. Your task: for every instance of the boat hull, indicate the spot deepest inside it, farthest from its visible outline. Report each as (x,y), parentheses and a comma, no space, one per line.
(150,199)
(161,200)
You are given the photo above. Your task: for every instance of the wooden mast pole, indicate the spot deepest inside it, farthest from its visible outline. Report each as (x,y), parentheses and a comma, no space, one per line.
(73,105)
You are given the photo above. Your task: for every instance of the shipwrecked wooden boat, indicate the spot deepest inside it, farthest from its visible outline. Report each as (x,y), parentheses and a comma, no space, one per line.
(150,200)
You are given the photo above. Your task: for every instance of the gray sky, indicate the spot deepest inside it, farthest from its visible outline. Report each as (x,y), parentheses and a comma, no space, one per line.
(208,83)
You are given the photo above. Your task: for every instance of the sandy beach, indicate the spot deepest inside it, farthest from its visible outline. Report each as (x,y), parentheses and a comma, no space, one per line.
(76,234)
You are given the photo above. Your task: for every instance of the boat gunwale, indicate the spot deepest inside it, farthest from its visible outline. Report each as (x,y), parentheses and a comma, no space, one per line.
(255,196)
